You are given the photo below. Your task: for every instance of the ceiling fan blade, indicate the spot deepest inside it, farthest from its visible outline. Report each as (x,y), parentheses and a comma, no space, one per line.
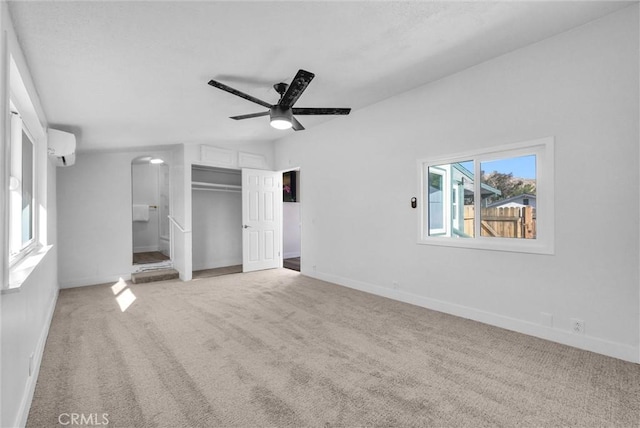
(321,110)
(249,116)
(297,126)
(229,89)
(296,88)
(245,80)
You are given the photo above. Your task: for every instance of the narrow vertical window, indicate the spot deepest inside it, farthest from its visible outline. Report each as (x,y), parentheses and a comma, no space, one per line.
(27,190)
(450,187)
(436,183)
(462,206)
(21,204)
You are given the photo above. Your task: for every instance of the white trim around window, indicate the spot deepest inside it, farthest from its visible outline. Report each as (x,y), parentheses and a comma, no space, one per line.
(25,241)
(542,243)
(23,215)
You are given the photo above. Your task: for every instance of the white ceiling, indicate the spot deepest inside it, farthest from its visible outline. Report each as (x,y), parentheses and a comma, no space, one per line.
(124,74)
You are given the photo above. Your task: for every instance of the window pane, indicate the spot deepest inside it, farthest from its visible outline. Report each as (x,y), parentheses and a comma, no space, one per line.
(508,191)
(463,178)
(27,189)
(436,201)
(451,200)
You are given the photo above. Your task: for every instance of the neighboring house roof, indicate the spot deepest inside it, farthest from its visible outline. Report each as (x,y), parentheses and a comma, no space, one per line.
(485,189)
(514,200)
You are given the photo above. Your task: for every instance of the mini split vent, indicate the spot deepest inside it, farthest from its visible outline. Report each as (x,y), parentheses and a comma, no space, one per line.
(62,147)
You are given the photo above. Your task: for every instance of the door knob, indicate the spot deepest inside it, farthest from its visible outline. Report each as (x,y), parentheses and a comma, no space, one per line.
(246,226)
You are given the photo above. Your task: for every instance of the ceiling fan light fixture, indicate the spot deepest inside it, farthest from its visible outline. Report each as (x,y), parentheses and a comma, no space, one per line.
(281,118)
(281,124)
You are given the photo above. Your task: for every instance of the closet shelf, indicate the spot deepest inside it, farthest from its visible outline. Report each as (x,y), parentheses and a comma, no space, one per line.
(199,185)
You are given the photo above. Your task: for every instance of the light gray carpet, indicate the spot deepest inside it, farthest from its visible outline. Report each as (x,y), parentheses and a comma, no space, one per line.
(275,348)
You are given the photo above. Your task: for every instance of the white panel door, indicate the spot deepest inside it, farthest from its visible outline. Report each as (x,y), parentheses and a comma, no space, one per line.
(261,219)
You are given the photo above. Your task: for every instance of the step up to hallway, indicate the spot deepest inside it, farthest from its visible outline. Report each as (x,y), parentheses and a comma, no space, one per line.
(154,275)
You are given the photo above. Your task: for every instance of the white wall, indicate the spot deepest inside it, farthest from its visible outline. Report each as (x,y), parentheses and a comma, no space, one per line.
(26,316)
(217,229)
(94,217)
(180,202)
(25,313)
(5,133)
(581,87)
(145,191)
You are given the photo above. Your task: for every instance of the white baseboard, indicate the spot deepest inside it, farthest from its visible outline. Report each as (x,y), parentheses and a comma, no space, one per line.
(30,389)
(93,280)
(217,264)
(589,343)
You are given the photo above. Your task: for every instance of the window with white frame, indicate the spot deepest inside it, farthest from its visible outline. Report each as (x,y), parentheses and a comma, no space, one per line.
(498,199)
(21,190)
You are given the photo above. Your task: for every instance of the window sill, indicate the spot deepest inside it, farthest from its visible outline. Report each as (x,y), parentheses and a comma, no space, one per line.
(19,272)
(511,245)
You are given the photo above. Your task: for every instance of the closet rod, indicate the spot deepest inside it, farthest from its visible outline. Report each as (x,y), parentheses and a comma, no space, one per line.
(205,185)
(217,190)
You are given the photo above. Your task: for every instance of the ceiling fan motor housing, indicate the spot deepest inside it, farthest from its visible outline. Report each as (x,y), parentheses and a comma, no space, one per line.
(280,88)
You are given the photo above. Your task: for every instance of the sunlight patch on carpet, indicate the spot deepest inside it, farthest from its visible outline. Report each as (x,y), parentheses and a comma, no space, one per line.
(119,286)
(124,295)
(125,299)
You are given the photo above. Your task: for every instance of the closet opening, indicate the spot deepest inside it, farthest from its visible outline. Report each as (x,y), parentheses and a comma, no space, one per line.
(216,221)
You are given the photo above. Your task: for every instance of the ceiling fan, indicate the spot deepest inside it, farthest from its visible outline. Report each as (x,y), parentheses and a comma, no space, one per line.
(282,112)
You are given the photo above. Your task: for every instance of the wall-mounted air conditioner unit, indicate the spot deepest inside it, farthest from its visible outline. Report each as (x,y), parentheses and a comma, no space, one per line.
(62,147)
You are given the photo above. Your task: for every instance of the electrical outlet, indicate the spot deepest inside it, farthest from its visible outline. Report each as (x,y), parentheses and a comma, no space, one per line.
(395,285)
(314,268)
(577,326)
